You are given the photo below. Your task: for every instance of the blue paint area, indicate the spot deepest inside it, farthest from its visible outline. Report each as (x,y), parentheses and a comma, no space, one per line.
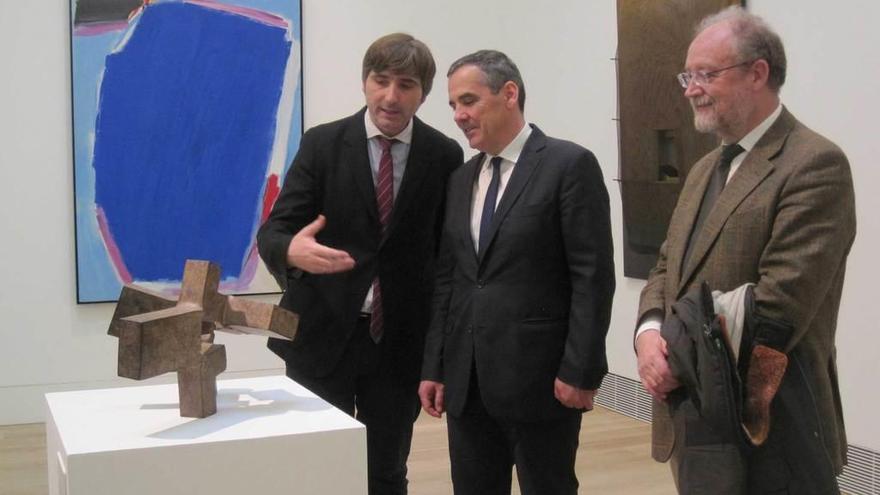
(184,132)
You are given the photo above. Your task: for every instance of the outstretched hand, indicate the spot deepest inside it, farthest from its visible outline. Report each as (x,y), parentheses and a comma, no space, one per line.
(305,253)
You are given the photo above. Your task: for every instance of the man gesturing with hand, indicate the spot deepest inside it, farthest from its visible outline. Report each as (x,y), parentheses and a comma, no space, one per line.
(352,239)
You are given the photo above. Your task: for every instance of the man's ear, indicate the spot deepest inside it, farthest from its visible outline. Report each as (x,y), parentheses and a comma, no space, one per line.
(511,94)
(760,72)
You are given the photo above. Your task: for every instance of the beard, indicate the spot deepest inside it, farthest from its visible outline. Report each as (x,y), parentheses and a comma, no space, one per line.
(705,119)
(710,120)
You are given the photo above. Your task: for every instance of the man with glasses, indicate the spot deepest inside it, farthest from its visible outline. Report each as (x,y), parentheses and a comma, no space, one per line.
(772,207)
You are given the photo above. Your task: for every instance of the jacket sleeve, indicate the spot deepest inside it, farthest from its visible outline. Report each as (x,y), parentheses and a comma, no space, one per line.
(812,231)
(586,234)
(432,364)
(652,299)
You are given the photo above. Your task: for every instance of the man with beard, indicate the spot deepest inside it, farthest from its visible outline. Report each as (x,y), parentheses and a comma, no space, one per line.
(773,207)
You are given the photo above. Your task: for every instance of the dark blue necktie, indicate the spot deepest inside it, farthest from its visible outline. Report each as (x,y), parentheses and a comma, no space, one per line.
(489,203)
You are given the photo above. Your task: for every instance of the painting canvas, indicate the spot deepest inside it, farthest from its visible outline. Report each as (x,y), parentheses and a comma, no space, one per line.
(186,114)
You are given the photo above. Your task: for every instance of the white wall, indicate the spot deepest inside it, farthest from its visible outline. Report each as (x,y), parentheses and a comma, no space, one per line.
(564,52)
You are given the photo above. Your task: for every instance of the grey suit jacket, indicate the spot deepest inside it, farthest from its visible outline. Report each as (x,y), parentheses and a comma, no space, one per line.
(786,222)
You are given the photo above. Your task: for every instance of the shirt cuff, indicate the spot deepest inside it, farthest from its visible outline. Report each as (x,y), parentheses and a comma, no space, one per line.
(652,320)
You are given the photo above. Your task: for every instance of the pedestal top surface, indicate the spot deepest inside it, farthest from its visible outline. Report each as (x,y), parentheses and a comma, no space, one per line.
(148,416)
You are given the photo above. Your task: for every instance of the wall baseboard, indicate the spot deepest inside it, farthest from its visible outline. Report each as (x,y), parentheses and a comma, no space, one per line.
(861,476)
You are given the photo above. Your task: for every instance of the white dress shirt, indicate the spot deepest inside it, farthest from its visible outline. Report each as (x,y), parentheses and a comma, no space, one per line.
(509,156)
(399,152)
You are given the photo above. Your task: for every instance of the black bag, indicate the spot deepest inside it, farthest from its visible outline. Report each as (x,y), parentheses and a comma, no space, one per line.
(701,358)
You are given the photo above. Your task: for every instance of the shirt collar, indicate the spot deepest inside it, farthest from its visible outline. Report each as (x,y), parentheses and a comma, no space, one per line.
(751,139)
(512,151)
(405,135)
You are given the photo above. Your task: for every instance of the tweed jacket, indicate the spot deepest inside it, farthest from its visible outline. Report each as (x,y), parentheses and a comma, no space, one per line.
(785,222)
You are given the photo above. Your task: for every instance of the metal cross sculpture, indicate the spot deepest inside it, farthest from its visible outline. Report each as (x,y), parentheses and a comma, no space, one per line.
(159,335)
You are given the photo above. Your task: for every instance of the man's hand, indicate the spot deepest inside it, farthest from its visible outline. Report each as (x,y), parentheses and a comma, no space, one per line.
(573,397)
(653,366)
(431,395)
(305,253)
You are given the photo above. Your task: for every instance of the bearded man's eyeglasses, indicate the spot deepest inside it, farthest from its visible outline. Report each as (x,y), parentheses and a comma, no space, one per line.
(702,77)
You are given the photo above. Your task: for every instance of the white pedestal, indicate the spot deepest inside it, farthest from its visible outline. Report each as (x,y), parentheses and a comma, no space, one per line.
(269,436)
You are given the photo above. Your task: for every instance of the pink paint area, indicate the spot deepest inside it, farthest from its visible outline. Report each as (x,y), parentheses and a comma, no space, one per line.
(99,28)
(257,15)
(248,271)
(112,248)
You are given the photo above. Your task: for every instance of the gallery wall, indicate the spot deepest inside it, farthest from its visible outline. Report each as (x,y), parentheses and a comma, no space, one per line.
(49,343)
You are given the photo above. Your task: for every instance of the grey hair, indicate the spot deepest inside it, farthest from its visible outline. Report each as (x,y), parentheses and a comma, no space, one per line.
(498,69)
(754,40)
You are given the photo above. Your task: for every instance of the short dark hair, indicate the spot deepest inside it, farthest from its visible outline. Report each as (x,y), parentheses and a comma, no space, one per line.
(401,53)
(754,40)
(498,69)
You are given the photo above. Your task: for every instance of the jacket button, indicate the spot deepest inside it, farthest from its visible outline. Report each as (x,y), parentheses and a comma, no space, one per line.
(470,329)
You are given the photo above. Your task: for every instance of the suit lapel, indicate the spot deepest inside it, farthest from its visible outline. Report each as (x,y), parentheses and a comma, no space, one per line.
(358,160)
(756,166)
(679,233)
(528,162)
(413,176)
(470,172)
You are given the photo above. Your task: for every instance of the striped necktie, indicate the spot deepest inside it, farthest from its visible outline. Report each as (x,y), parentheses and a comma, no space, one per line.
(385,203)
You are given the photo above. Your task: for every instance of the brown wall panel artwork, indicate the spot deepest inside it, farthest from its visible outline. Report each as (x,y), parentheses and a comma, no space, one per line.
(658,143)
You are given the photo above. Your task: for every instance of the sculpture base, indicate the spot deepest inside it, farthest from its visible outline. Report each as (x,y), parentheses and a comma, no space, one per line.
(269,434)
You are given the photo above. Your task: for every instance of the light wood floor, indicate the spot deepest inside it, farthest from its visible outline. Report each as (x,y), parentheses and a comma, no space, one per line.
(613,458)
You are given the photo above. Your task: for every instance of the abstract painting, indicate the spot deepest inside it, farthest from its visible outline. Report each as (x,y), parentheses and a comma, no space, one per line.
(186,114)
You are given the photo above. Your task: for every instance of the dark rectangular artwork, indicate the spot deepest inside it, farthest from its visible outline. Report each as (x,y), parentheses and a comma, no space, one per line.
(658,142)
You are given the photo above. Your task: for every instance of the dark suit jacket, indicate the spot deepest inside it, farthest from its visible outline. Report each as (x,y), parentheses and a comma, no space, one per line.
(331,176)
(535,305)
(785,221)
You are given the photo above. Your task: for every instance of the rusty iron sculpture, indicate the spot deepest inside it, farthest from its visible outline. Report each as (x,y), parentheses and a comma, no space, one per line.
(159,335)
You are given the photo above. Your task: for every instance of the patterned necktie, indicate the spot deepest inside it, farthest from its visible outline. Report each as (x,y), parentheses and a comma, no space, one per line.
(385,203)
(713,190)
(489,202)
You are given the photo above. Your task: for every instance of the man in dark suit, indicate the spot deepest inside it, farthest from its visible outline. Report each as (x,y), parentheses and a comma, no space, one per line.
(352,240)
(516,346)
(782,218)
